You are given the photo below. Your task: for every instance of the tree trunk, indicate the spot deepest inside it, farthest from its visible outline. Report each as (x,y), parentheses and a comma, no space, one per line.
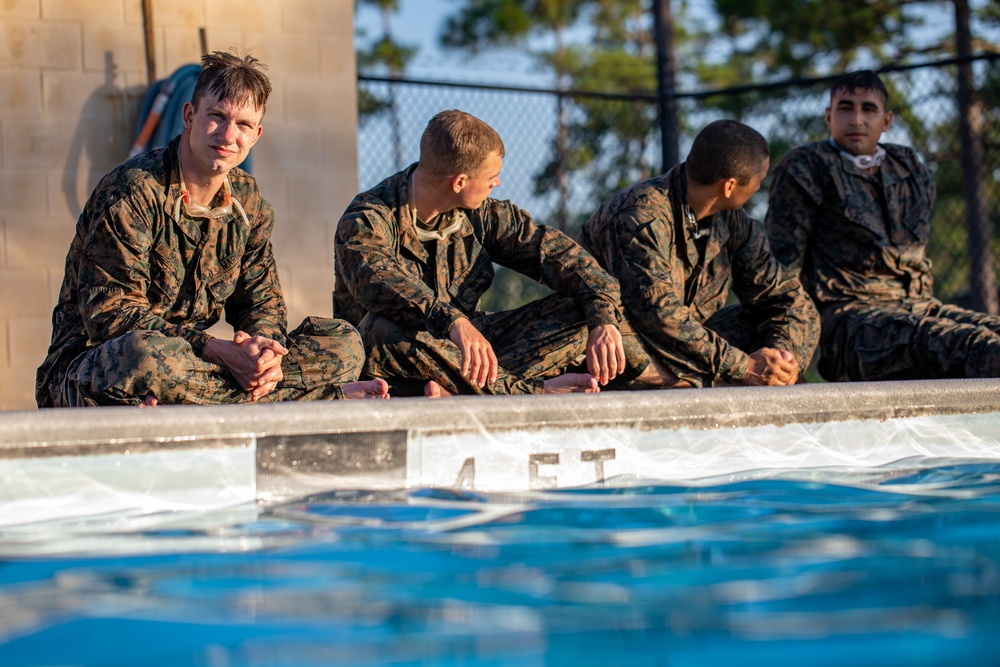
(982,274)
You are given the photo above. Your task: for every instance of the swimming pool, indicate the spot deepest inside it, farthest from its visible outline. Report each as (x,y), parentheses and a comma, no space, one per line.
(845,558)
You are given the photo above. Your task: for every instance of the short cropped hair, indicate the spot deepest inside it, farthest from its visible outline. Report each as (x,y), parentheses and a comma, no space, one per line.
(726,149)
(234,78)
(861,80)
(457,143)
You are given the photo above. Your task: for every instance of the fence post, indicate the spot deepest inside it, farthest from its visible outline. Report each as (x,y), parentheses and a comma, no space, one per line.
(666,87)
(982,274)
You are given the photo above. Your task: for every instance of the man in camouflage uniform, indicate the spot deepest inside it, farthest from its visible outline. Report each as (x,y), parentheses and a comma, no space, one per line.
(853,217)
(415,254)
(678,242)
(166,242)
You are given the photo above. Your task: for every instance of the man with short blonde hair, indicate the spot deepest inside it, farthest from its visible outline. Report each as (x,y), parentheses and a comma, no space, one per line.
(415,254)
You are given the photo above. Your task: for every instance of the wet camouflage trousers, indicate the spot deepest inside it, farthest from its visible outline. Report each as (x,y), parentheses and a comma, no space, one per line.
(322,353)
(908,341)
(538,341)
(732,324)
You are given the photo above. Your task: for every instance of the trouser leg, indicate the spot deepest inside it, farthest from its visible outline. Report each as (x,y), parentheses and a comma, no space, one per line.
(122,371)
(927,341)
(407,359)
(548,337)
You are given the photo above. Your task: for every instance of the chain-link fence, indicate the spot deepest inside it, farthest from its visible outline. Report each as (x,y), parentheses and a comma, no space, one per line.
(565,152)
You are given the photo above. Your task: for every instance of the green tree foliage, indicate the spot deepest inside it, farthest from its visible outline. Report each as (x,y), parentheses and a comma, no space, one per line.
(383,54)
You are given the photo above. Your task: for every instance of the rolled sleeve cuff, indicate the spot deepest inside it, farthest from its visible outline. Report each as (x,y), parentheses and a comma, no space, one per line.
(198,340)
(600,312)
(735,365)
(441,317)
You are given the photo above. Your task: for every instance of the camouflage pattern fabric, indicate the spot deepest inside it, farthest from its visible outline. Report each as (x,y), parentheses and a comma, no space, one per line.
(384,271)
(537,341)
(858,241)
(133,268)
(322,353)
(671,288)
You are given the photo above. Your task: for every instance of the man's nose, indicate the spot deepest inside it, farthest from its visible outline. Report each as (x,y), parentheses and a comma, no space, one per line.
(228,131)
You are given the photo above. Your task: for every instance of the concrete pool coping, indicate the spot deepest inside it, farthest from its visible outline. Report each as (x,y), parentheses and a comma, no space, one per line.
(492,443)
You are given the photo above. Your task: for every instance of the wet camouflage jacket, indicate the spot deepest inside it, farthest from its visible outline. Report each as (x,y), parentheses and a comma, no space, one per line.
(132,266)
(384,269)
(640,235)
(854,236)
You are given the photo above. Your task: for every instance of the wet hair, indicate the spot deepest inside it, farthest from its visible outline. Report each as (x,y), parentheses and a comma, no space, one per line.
(726,149)
(237,78)
(457,143)
(861,80)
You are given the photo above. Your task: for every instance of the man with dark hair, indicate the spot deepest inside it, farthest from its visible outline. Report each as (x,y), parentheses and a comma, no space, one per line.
(167,241)
(415,254)
(852,217)
(677,243)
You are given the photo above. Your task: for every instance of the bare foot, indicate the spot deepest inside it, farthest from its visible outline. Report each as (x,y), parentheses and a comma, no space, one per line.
(656,376)
(572,383)
(376,388)
(433,390)
(149,402)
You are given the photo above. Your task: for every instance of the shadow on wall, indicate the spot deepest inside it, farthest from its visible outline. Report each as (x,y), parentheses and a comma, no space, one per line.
(102,138)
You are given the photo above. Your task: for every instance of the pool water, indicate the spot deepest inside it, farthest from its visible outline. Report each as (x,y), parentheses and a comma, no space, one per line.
(891,565)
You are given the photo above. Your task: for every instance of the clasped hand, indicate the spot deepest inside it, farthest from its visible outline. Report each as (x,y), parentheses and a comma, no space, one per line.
(770,366)
(253,361)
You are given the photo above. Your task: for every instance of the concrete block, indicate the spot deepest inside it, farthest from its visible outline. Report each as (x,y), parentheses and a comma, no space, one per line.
(83,11)
(20,9)
(318,16)
(85,95)
(311,102)
(68,191)
(302,240)
(20,94)
(28,338)
(286,149)
(89,144)
(286,54)
(274,187)
(337,61)
(308,291)
(25,293)
(181,46)
(226,37)
(40,45)
(125,44)
(321,196)
(34,241)
(17,388)
(4,345)
(172,14)
(23,190)
(247,14)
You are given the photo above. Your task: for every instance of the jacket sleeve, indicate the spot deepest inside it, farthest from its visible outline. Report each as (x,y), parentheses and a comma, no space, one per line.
(548,256)
(793,208)
(114,278)
(653,295)
(366,247)
(772,297)
(257,305)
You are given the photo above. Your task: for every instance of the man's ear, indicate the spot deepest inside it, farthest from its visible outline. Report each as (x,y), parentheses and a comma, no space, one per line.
(458,181)
(187,114)
(728,185)
(888,120)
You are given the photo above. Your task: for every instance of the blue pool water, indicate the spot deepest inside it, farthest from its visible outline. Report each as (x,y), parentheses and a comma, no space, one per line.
(890,566)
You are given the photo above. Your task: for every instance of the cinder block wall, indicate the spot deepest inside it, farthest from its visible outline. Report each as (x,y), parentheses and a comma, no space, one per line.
(72,76)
